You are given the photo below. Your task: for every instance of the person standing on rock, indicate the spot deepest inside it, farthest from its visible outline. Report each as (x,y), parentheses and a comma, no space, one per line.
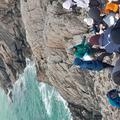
(109,40)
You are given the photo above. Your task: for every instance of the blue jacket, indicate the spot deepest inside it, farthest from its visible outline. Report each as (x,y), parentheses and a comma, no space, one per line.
(89,65)
(106,42)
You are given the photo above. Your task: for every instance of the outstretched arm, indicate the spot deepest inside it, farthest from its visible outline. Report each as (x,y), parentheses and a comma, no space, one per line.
(84,40)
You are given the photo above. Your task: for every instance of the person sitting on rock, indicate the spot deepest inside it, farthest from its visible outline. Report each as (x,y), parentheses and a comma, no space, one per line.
(98,24)
(97,28)
(95,65)
(109,40)
(84,48)
(114,98)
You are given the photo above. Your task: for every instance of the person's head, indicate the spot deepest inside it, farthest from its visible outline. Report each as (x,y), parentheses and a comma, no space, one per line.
(73,49)
(112,94)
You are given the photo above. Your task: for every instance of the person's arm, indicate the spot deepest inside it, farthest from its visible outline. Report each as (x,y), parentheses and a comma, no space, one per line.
(82,43)
(84,40)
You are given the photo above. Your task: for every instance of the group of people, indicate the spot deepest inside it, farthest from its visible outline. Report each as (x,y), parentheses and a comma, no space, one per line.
(104,20)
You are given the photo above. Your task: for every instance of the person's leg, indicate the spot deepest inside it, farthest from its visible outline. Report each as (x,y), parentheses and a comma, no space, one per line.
(98,50)
(117,25)
(93,51)
(105,65)
(101,57)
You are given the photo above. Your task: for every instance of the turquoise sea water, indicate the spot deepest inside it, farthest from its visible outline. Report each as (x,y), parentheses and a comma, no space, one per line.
(33,100)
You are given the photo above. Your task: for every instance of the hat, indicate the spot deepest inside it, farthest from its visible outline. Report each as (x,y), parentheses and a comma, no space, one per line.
(67,4)
(115,35)
(89,21)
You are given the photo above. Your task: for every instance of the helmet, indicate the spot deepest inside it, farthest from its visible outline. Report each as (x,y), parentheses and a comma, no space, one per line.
(67,5)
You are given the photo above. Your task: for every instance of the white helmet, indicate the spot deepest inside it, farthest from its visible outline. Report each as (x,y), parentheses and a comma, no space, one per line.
(89,21)
(67,4)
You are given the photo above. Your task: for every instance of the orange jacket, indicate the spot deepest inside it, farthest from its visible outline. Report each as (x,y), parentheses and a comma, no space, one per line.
(111,7)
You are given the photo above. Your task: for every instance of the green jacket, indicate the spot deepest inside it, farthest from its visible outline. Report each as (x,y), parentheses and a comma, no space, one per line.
(82,49)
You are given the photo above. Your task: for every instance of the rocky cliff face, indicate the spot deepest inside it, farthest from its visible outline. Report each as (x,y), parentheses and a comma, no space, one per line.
(13,45)
(50,30)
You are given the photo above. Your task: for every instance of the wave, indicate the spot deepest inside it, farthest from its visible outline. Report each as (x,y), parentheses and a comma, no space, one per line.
(32,100)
